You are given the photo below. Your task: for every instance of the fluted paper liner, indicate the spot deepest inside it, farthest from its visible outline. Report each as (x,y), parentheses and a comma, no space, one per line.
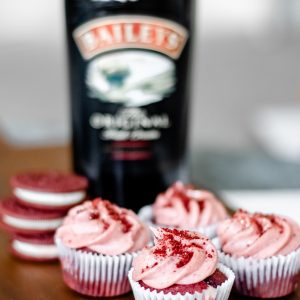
(272,277)
(94,274)
(146,215)
(222,292)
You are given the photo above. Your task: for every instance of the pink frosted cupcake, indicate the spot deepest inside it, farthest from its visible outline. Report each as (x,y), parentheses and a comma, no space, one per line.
(96,245)
(184,207)
(181,265)
(263,251)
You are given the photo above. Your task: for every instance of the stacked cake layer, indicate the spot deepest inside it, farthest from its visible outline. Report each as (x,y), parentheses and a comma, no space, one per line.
(36,209)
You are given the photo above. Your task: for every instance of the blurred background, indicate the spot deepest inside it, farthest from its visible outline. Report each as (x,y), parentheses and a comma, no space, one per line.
(245,116)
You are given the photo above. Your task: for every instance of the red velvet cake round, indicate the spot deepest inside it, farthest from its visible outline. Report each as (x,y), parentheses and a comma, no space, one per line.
(55,182)
(39,247)
(49,190)
(22,219)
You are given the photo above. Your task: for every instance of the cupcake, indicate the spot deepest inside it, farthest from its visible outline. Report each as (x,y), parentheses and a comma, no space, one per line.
(263,251)
(184,207)
(96,245)
(181,265)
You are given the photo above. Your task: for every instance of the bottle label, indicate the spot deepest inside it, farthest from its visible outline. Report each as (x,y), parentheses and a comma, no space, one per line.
(129,124)
(119,32)
(131,78)
(121,70)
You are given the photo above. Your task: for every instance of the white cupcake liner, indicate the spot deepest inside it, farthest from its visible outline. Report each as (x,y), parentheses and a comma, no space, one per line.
(146,215)
(94,274)
(272,277)
(222,292)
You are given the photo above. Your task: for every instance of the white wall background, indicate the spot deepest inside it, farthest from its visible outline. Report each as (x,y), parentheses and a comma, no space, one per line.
(246,58)
(33,84)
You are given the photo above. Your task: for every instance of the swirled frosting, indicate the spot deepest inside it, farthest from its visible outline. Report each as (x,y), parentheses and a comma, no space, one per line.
(103,227)
(258,235)
(183,206)
(178,257)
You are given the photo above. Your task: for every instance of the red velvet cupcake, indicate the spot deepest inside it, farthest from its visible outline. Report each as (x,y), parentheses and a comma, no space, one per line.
(181,265)
(263,251)
(96,244)
(185,207)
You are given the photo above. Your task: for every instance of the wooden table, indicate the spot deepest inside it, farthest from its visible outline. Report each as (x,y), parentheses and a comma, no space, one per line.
(35,281)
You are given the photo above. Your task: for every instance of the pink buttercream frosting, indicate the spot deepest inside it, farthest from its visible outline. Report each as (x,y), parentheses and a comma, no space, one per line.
(178,257)
(103,227)
(258,235)
(183,206)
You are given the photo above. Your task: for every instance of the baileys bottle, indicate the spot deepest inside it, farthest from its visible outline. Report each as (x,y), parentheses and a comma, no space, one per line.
(129,64)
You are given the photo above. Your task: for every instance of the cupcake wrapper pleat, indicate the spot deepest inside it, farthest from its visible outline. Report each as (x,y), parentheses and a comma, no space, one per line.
(266,278)
(146,215)
(220,293)
(94,274)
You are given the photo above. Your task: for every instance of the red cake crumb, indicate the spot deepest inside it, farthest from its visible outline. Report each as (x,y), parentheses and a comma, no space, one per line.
(184,234)
(162,251)
(185,259)
(149,267)
(198,246)
(105,224)
(258,226)
(216,279)
(94,215)
(201,205)
(255,220)
(184,199)
(115,215)
(176,247)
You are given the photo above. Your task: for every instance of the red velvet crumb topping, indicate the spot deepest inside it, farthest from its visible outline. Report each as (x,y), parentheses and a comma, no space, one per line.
(185,258)
(149,267)
(105,224)
(117,216)
(184,199)
(94,215)
(171,246)
(183,234)
(201,205)
(255,221)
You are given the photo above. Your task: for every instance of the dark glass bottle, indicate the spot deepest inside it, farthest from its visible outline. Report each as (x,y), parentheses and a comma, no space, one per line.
(129,69)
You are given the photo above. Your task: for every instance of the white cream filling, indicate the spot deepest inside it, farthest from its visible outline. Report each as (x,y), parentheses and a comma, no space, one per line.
(32,224)
(52,199)
(34,250)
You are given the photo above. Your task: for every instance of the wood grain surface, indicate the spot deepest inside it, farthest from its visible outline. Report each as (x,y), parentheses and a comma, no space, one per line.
(21,280)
